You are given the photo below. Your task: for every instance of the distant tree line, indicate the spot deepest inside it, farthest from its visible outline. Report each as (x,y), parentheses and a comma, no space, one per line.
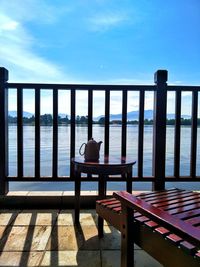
(47,119)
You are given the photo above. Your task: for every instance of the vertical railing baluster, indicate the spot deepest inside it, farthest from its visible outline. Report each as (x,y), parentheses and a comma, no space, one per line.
(37,132)
(141,134)
(90,110)
(124,123)
(193,160)
(177,134)
(107,122)
(159,134)
(72,134)
(4,185)
(20,132)
(55,133)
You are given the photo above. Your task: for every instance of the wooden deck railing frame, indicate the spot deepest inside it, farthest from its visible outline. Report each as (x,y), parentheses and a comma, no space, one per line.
(160,90)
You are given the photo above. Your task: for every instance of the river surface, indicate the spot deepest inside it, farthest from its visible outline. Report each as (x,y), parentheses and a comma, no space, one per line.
(115,150)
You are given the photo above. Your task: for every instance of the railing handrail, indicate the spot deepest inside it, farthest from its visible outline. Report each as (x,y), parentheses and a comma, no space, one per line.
(99,87)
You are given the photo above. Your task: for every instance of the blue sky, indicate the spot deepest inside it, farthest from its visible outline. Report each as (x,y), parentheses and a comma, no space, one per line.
(100,41)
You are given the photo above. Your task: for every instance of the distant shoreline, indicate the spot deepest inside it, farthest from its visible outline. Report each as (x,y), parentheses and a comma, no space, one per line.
(47,120)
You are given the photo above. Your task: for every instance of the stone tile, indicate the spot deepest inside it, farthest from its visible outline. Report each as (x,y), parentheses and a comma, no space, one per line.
(20,258)
(72,258)
(45,193)
(18,193)
(14,239)
(64,238)
(68,193)
(2,232)
(47,217)
(111,239)
(36,217)
(89,193)
(8,216)
(110,192)
(83,193)
(23,238)
(88,217)
(74,238)
(65,217)
(23,219)
(142,259)
(89,238)
(112,258)
(41,235)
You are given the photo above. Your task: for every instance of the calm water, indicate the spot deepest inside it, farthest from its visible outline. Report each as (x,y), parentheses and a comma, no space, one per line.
(98,134)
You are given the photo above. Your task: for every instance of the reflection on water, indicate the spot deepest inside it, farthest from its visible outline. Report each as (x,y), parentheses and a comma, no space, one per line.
(98,134)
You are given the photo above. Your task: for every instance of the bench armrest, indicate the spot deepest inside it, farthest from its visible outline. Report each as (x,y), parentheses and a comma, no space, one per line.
(163,218)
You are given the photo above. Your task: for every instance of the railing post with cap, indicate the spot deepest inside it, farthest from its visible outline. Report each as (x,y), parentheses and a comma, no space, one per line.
(159,132)
(3,131)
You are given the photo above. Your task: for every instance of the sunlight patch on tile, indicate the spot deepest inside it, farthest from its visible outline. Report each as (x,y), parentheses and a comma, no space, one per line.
(88,217)
(20,259)
(71,258)
(63,238)
(7,217)
(40,237)
(23,219)
(15,240)
(65,217)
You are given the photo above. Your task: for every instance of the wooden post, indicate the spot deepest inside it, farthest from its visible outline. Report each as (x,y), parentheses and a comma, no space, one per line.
(127,237)
(3,131)
(159,132)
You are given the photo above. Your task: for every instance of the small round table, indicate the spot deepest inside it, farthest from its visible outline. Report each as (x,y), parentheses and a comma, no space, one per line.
(103,168)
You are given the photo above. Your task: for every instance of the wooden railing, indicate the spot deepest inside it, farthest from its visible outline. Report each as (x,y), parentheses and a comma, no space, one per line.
(159,90)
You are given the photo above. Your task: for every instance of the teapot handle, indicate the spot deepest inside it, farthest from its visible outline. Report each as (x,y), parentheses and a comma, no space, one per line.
(81,148)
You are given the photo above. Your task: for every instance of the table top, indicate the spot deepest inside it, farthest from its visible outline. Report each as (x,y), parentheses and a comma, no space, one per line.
(105,161)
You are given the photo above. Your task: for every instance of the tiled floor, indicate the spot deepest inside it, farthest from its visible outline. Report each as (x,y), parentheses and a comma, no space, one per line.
(49,238)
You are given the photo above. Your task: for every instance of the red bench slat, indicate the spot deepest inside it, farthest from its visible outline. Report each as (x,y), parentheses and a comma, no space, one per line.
(188,214)
(162,230)
(163,202)
(174,238)
(151,224)
(188,247)
(194,220)
(179,204)
(170,196)
(159,193)
(183,209)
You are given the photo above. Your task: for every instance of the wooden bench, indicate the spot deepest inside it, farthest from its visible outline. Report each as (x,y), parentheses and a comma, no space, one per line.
(166,224)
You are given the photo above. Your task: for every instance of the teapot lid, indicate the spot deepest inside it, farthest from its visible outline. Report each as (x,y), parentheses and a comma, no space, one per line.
(92,140)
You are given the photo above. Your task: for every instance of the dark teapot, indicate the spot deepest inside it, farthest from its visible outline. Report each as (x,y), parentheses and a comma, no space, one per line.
(91,151)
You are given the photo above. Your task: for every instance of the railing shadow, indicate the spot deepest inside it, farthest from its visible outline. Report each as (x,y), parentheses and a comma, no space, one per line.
(41,242)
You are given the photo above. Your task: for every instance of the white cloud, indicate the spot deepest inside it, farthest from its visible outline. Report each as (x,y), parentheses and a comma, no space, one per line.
(18,46)
(7,24)
(18,56)
(32,10)
(104,22)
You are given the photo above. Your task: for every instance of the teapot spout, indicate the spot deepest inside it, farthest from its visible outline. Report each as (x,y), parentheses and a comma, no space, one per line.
(99,144)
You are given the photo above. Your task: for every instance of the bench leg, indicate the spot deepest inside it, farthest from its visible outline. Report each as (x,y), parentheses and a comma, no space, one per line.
(127,238)
(100,227)
(77,196)
(102,194)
